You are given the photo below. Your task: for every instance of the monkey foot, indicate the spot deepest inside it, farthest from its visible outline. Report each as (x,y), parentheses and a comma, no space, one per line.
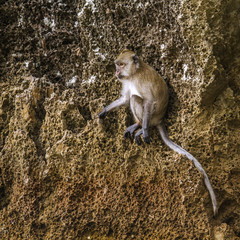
(138,138)
(130,131)
(146,137)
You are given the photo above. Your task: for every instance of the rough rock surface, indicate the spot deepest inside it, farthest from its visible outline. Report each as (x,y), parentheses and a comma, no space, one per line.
(66,175)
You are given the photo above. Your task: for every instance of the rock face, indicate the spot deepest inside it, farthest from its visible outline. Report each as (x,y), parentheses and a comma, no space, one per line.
(66,175)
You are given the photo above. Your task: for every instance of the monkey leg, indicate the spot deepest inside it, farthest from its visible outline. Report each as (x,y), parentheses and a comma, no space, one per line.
(130,131)
(145,134)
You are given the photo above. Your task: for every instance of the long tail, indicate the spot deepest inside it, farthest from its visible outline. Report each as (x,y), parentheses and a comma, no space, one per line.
(178,149)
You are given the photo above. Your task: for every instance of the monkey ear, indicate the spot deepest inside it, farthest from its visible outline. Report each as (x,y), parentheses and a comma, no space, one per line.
(135,58)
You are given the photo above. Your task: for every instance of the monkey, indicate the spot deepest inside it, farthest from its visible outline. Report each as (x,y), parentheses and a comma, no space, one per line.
(146,93)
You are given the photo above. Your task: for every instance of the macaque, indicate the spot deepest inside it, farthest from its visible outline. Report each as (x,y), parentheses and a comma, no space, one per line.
(146,93)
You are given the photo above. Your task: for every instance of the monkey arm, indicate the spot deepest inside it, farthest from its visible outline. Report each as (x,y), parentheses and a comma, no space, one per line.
(114,105)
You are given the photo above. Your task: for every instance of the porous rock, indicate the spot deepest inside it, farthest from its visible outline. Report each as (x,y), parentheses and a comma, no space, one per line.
(64,174)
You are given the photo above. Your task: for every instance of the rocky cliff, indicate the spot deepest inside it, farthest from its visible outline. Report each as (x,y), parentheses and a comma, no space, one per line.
(66,175)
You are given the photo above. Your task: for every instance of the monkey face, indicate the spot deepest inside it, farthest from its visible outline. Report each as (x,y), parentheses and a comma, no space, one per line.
(126,64)
(121,70)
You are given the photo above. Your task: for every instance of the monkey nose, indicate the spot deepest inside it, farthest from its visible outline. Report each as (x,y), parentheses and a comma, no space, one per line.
(118,72)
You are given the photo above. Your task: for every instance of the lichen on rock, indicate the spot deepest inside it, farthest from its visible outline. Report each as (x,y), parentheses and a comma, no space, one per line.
(66,175)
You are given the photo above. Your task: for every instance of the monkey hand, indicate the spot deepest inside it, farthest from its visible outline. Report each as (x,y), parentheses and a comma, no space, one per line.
(146,136)
(102,114)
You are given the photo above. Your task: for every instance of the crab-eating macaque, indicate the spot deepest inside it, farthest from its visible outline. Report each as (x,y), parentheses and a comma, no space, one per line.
(146,93)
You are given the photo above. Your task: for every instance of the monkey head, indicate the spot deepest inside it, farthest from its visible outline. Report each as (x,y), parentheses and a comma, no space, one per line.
(127,64)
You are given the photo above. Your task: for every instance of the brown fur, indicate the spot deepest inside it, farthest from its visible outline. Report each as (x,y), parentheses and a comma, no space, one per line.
(148,83)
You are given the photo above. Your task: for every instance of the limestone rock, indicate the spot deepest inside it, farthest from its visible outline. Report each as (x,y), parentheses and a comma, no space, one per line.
(64,174)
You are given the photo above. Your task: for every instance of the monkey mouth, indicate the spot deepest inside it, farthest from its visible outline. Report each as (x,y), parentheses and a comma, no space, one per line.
(119,75)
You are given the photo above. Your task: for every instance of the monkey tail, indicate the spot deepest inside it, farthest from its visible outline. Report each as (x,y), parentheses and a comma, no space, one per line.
(180,150)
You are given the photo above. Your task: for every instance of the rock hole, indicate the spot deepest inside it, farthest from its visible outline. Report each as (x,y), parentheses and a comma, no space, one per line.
(85,112)
(34,131)
(73,120)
